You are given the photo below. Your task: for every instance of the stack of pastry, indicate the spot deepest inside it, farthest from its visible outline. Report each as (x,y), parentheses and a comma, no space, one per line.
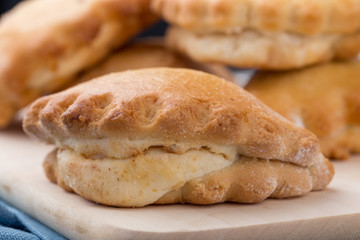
(297,36)
(166,135)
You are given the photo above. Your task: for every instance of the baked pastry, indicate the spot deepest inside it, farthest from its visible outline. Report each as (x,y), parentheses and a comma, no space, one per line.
(325,99)
(149,53)
(166,135)
(277,34)
(44,43)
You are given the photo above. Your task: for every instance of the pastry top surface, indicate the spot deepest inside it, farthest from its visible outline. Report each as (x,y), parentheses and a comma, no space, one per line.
(165,106)
(307,17)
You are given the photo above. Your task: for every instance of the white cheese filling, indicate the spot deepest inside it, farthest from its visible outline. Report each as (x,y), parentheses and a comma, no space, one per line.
(125,147)
(139,180)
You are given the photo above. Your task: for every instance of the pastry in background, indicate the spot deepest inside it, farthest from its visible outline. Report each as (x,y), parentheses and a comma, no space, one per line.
(274,34)
(44,43)
(149,53)
(325,99)
(166,135)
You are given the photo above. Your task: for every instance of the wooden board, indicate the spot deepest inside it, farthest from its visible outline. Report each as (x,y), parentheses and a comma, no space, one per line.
(331,214)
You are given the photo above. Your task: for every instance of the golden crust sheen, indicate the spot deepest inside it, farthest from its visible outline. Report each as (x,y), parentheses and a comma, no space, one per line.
(325,99)
(43,44)
(308,17)
(180,105)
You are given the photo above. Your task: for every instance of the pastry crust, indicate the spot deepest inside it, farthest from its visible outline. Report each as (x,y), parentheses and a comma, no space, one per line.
(308,17)
(251,181)
(247,180)
(324,99)
(162,115)
(43,50)
(275,35)
(153,54)
(254,49)
(168,105)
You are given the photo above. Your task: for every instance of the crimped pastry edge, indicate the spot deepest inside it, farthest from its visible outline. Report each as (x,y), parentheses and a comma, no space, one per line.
(308,17)
(254,49)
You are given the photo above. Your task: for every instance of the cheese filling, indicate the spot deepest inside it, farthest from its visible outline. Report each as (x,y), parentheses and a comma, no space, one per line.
(123,148)
(139,180)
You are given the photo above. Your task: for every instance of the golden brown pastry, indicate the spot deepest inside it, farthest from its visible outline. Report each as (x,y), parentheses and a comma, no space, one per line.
(276,34)
(44,43)
(167,135)
(149,53)
(324,99)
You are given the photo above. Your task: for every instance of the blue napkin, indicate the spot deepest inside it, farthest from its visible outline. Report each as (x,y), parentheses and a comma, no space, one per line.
(15,225)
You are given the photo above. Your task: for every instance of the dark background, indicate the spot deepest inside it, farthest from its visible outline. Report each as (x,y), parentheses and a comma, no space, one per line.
(7,4)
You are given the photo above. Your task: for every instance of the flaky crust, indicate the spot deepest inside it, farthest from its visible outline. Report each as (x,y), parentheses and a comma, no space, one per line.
(309,17)
(149,53)
(247,180)
(169,106)
(43,43)
(325,99)
(255,49)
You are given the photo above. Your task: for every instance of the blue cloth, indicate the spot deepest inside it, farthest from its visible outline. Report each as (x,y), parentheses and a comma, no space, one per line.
(15,225)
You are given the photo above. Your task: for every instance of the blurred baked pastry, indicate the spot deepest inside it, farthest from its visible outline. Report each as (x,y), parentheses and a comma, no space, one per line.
(277,34)
(44,43)
(149,53)
(167,135)
(325,99)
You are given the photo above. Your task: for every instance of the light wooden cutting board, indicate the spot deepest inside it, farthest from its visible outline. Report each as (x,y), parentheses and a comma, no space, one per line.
(331,214)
